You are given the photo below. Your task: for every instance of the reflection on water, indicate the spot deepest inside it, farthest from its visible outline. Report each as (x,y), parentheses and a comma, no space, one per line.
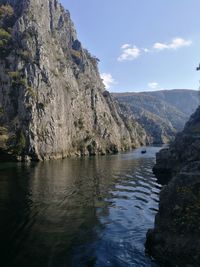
(78,212)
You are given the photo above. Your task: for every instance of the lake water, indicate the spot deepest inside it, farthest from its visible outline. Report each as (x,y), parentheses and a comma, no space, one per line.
(78,212)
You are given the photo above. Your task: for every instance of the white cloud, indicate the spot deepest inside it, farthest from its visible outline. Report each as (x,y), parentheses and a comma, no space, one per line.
(160,46)
(175,44)
(107,80)
(125,46)
(179,42)
(153,85)
(132,52)
(129,52)
(146,50)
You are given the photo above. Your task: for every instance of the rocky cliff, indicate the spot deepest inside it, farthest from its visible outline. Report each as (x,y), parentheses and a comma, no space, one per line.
(52,100)
(175,239)
(162,113)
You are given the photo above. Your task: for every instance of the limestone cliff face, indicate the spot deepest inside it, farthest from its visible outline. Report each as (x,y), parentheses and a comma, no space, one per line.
(52,100)
(175,239)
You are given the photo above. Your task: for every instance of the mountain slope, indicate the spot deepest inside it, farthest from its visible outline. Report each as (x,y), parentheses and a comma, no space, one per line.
(184,100)
(162,113)
(52,99)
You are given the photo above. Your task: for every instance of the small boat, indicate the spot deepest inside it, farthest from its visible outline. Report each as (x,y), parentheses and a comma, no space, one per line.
(143,151)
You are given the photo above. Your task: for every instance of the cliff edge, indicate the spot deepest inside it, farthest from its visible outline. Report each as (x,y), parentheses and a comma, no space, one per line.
(53,103)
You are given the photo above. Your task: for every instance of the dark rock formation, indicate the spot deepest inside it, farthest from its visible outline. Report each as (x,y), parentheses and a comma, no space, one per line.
(162,113)
(52,101)
(163,167)
(184,150)
(175,239)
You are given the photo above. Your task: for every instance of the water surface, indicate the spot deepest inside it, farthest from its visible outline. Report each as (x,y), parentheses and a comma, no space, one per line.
(78,212)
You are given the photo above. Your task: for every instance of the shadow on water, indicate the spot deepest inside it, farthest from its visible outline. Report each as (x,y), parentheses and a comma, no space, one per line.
(78,212)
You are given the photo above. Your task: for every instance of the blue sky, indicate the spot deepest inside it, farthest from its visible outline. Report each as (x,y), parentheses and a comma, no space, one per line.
(142,44)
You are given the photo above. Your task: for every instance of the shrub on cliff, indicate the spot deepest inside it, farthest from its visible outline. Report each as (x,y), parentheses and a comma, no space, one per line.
(6,10)
(4,35)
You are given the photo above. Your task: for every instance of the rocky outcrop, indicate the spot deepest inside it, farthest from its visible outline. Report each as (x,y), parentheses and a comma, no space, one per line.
(184,150)
(52,100)
(175,239)
(162,113)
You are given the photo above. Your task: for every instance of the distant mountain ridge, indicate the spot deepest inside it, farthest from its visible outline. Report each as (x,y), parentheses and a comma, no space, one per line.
(161,113)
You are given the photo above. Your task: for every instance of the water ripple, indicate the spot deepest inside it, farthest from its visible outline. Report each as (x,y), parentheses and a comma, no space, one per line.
(78,212)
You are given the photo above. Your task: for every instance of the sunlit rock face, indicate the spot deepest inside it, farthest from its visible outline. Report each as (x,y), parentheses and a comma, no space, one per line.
(175,239)
(52,99)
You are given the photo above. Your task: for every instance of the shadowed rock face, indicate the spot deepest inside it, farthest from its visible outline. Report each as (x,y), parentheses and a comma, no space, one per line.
(175,239)
(183,151)
(52,100)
